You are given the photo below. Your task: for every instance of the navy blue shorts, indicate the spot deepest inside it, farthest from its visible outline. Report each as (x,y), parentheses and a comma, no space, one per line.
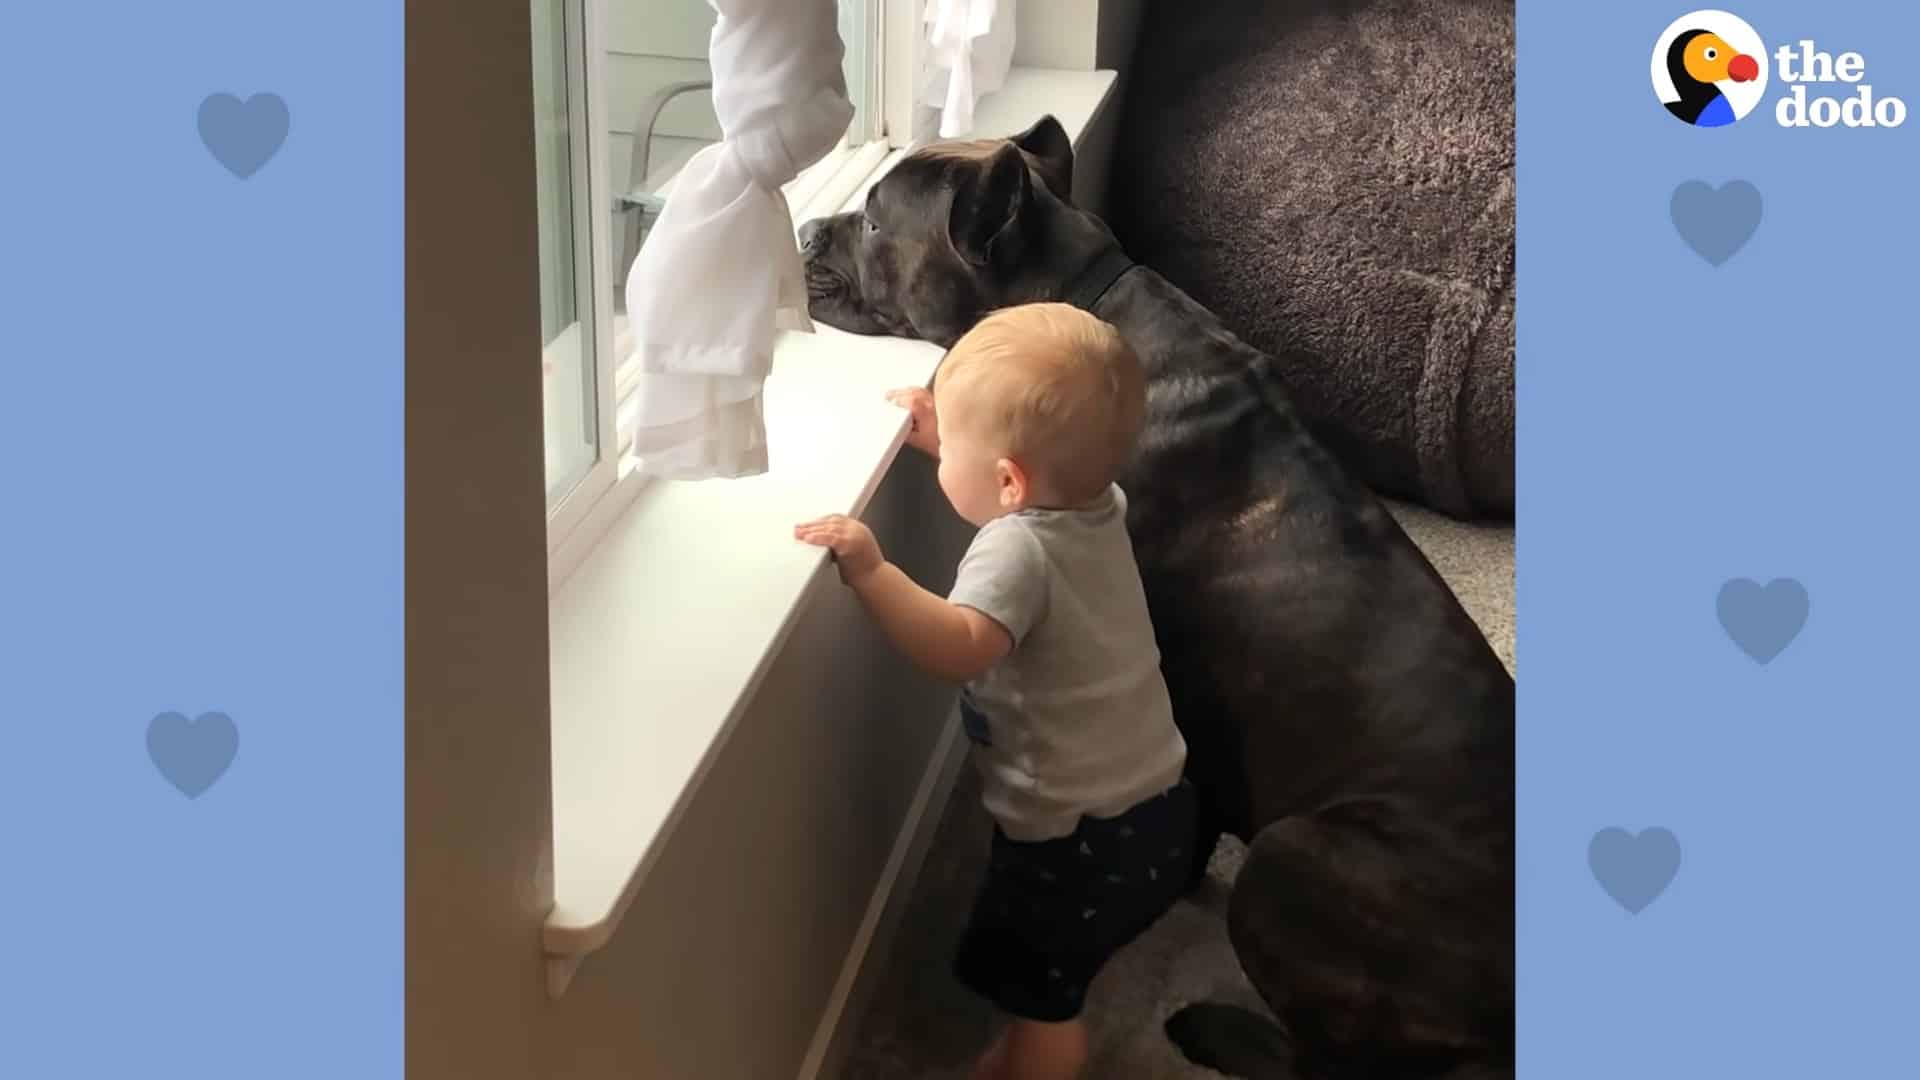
(1051,913)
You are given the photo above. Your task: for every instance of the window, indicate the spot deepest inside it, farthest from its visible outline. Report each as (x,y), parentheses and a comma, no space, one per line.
(623,98)
(578,409)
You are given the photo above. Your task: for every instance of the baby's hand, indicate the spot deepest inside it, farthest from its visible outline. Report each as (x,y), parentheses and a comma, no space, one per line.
(854,549)
(918,401)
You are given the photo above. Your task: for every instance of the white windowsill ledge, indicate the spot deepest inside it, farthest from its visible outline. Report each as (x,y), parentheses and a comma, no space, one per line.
(660,635)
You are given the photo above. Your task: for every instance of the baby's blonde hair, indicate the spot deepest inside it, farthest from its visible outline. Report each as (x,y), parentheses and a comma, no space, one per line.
(1052,387)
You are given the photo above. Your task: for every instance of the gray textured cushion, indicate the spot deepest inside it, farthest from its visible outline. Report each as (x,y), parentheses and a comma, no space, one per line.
(1338,177)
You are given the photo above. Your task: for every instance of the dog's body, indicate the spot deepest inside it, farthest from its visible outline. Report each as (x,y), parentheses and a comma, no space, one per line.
(1343,714)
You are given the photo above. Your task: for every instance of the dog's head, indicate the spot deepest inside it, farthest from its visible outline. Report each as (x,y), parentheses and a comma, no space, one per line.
(953,231)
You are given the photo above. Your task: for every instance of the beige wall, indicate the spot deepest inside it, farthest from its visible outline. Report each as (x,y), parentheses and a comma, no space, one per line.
(1052,34)
(478,871)
(727,959)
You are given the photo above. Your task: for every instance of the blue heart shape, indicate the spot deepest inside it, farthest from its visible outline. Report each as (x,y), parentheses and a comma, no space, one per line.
(1634,870)
(244,135)
(192,754)
(1762,621)
(1716,223)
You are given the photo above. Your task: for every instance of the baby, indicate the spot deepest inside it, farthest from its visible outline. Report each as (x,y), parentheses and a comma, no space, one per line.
(1031,416)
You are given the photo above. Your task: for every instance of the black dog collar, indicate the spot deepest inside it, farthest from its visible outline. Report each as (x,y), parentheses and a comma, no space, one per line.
(1092,283)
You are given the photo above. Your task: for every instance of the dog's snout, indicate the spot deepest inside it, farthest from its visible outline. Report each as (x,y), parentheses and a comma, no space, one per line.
(813,237)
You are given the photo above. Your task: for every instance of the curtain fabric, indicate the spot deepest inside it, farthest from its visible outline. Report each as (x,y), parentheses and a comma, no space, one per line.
(969,49)
(720,273)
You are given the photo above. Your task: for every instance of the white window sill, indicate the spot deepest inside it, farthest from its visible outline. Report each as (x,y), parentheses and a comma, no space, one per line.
(661,631)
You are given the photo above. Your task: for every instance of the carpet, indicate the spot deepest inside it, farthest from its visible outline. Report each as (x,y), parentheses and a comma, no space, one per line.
(921,1025)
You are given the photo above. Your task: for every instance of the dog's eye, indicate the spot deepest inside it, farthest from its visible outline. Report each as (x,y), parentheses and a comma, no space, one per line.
(868,223)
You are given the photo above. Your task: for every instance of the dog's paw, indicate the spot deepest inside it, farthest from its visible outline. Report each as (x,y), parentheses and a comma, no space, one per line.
(1231,1040)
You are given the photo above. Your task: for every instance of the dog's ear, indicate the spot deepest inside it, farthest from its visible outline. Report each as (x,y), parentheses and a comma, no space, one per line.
(1052,153)
(989,207)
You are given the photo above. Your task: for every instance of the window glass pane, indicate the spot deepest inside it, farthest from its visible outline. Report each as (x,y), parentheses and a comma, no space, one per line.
(859,32)
(660,109)
(566,316)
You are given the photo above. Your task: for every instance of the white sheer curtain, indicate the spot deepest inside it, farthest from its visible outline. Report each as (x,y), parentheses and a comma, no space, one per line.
(969,49)
(720,273)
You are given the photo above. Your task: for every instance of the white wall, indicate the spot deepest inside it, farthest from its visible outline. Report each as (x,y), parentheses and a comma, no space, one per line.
(1077,35)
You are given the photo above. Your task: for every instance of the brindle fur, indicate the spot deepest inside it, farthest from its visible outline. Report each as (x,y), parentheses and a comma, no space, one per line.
(1344,716)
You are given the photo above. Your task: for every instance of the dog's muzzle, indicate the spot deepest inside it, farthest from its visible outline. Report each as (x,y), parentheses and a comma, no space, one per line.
(814,236)
(824,282)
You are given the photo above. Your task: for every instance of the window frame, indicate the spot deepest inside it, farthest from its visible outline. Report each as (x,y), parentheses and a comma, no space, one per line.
(613,482)
(586,99)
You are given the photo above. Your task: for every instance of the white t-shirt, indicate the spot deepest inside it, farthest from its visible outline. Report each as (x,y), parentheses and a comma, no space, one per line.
(1076,719)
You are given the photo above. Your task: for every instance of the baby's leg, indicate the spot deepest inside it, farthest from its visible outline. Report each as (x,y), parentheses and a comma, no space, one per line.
(1039,1050)
(992,1065)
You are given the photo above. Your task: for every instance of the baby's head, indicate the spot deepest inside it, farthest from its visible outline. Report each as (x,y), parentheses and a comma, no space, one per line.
(1039,406)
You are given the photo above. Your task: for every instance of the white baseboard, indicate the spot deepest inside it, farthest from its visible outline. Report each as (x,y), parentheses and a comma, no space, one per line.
(833,1038)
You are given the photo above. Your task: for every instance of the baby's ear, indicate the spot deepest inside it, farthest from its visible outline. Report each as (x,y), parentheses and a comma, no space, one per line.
(1014,482)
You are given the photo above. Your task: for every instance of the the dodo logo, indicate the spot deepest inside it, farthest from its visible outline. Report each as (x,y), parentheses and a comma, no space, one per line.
(1710,70)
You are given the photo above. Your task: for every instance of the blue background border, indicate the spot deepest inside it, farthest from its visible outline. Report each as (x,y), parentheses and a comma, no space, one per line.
(201,432)
(1681,425)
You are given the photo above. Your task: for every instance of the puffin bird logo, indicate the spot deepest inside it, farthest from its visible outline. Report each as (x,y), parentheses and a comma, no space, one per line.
(1709,68)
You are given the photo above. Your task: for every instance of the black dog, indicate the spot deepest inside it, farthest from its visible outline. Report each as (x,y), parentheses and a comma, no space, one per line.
(1345,717)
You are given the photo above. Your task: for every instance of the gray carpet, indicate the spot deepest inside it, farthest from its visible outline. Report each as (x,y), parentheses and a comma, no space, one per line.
(1335,178)
(922,1025)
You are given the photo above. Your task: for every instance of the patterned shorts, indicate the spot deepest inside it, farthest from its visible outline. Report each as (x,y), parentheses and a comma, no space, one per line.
(1051,913)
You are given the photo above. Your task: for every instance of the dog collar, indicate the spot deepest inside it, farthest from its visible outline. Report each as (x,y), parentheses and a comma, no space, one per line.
(1092,283)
